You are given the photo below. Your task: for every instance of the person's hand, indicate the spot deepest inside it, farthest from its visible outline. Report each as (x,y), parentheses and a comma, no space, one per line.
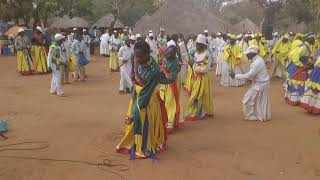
(128,120)
(232,74)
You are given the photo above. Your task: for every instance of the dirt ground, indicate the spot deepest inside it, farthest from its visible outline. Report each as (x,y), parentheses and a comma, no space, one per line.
(88,124)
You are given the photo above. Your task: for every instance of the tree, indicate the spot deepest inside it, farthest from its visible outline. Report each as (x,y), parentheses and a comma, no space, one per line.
(270,10)
(128,11)
(307,11)
(40,10)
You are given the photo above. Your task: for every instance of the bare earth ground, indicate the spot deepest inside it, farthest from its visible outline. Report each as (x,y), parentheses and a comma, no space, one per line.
(89,123)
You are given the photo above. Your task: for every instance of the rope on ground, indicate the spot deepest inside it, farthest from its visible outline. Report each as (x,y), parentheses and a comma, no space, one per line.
(105,164)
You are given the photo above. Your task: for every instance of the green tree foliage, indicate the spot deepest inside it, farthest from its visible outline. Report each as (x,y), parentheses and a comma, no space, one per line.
(307,11)
(40,10)
(128,11)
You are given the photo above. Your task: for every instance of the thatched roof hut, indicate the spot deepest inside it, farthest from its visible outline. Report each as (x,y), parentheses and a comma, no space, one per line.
(105,21)
(182,16)
(246,25)
(13,31)
(66,22)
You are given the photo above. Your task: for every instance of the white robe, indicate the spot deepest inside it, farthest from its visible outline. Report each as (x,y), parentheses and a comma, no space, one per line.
(220,60)
(125,54)
(154,48)
(104,44)
(56,84)
(185,60)
(87,41)
(256,104)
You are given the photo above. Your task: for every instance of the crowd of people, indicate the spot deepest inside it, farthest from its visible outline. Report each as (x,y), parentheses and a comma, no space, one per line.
(158,70)
(63,56)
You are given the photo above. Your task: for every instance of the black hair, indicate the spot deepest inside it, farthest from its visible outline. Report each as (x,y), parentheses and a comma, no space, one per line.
(168,38)
(142,46)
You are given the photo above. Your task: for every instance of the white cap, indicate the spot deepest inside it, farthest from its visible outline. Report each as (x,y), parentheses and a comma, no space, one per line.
(125,30)
(138,36)
(219,34)
(252,49)
(150,31)
(115,31)
(161,29)
(39,28)
(239,36)
(171,43)
(133,37)
(84,30)
(206,31)
(202,39)
(150,34)
(74,29)
(58,37)
(20,30)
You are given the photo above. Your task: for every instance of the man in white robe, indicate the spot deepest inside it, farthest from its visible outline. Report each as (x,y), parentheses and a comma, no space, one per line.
(104,44)
(221,44)
(87,41)
(256,104)
(78,47)
(56,61)
(124,56)
(66,53)
(153,46)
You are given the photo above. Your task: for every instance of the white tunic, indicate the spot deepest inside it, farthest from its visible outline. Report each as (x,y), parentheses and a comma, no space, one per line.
(256,104)
(87,41)
(104,44)
(125,54)
(56,84)
(221,44)
(153,47)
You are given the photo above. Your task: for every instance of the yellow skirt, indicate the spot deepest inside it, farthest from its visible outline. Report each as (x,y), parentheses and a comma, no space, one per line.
(188,82)
(153,135)
(201,100)
(40,55)
(171,94)
(73,64)
(25,64)
(114,64)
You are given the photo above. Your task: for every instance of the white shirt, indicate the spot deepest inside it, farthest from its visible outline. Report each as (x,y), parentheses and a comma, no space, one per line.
(153,45)
(105,38)
(67,45)
(200,59)
(86,40)
(257,73)
(125,54)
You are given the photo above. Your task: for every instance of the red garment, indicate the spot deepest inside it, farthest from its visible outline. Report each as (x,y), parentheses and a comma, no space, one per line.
(38,38)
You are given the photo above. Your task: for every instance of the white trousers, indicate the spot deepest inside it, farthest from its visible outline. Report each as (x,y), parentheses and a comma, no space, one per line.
(56,84)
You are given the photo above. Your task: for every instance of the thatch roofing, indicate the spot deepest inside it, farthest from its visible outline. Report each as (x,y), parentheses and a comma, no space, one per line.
(246,25)
(13,31)
(105,21)
(182,16)
(66,22)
